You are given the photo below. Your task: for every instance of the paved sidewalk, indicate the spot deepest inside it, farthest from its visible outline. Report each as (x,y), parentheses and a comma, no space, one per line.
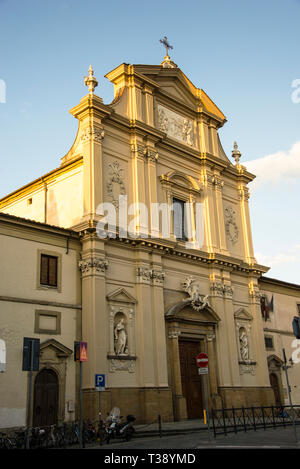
(272,438)
(169,428)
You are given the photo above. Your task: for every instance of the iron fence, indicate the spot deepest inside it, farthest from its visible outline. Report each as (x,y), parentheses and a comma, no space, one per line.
(233,420)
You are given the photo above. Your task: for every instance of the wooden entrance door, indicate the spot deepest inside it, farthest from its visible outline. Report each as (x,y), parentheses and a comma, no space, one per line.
(191,380)
(45,406)
(275,386)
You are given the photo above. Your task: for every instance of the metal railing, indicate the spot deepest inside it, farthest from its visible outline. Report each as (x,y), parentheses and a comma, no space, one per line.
(233,420)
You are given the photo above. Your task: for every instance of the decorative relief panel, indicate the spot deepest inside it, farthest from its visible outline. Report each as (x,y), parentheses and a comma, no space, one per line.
(176,126)
(115,185)
(231,227)
(122,365)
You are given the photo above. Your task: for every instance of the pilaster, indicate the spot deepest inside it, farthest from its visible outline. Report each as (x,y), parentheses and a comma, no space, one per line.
(93,265)
(90,113)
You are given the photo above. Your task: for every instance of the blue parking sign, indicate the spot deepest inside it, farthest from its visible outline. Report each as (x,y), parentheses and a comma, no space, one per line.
(100,382)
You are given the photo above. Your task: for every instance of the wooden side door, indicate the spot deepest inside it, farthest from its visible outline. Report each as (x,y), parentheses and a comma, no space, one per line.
(275,386)
(45,408)
(190,379)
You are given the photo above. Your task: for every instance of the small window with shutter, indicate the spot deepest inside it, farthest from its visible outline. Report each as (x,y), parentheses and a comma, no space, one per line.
(48,271)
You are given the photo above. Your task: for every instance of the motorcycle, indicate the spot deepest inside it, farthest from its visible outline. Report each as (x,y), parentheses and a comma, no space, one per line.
(115,428)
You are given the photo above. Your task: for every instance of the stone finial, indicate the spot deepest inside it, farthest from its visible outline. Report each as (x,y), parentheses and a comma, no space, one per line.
(236,154)
(91,81)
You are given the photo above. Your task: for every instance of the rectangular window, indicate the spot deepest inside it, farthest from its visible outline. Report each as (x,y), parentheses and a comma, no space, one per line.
(269,343)
(179,219)
(48,271)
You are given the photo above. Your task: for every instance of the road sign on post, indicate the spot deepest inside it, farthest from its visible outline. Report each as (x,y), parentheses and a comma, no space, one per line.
(31,362)
(80,352)
(100,382)
(202,363)
(80,355)
(31,354)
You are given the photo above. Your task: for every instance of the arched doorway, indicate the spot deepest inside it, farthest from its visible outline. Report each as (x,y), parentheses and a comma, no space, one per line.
(275,367)
(45,407)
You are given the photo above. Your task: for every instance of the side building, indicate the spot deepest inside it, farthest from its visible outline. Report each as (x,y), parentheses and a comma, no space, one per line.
(40,297)
(280,304)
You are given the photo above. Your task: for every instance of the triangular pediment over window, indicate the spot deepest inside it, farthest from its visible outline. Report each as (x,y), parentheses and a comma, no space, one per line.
(121,296)
(242,313)
(60,349)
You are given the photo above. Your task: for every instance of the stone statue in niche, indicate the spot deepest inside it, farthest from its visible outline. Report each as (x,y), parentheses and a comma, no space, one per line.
(244,348)
(120,338)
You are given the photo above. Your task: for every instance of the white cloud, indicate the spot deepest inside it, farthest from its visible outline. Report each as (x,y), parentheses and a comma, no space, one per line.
(276,259)
(283,166)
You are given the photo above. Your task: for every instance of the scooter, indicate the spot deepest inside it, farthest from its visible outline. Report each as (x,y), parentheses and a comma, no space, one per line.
(117,429)
(126,429)
(112,421)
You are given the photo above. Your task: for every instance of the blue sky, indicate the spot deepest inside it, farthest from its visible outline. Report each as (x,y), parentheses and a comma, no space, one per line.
(244,54)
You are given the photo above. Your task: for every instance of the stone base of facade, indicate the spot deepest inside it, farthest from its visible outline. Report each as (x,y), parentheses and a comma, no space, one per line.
(144,403)
(246,396)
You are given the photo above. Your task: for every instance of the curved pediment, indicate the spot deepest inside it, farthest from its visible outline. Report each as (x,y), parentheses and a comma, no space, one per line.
(184,311)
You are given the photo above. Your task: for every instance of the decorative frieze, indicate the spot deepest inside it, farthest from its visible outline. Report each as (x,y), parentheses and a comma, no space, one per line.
(228,291)
(92,133)
(173,333)
(150,155)
(216,289)
(244,193)
(93,264)
(139,149)
(158,277)
(145,275)
(221,290)
(254,293)
(217,182)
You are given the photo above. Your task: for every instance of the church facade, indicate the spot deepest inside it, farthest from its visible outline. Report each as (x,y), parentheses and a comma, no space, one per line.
(145,302)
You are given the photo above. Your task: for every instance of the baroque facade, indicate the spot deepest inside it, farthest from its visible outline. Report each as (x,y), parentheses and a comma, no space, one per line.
(147,304)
